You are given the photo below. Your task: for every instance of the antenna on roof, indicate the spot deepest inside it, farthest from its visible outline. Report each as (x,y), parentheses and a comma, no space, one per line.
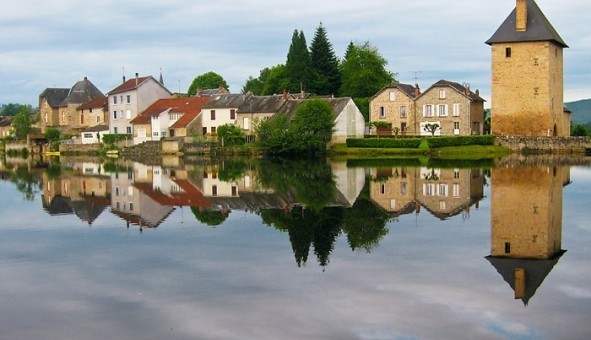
(416,73)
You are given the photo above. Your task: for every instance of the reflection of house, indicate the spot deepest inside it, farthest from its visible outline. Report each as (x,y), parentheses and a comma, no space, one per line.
(84,193)
(5,126)
(127,100)
(349,181)
(526,231)
(168,117)
(528,75)
(443,192)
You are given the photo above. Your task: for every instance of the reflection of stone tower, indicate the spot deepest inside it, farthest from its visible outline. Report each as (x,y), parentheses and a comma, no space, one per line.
(526,222)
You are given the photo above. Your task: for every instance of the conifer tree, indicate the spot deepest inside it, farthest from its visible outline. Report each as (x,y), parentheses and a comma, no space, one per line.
(363,71)
(325,64)
(298,68)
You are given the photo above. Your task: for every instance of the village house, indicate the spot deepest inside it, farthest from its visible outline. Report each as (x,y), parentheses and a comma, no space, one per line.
(130,98)
(349,122)
(453,107)
(395,106)
(220,110)
(255,109)
(5,126)
(94,112)
(169,117)
(49,105)
(70,120)
(528,76)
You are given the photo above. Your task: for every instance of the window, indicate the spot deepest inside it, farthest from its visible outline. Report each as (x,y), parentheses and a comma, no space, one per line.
(234,191)
(507,248)
(63,116)
(114,114)
(115,130)
(456,110)
(118,206)
(46,117)
(232,114)
(383,188)
(163,133)
(456,190)
(246,123)
(428,189)
(392,204)
(82,118)
(130,175)
(442,110)
(427,110)
(402,127)
(116,191)
(508,52)
(130,206)
(456,173)
(204,130)
(403,109)
(212,112)
(98,119)
(130,190)
(441,94)
(88,135)
(392,96)
(382,112)
(155,134)
(127,114)
(442,205)
(214,190)
(213,129)
(129,129)
(121,97)
(115,100)
(128,99)
(403,188)
(456,125)
(443,190)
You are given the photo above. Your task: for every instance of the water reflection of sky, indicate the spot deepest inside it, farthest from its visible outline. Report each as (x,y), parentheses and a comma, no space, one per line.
(60,278)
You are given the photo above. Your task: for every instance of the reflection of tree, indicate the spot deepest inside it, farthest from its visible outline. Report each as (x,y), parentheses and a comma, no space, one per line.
(26,183)
(365,225)
(306,228)
(310,180)
(231,170)
(210,217)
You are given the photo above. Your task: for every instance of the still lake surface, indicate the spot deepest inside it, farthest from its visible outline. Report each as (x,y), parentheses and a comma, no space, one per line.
(287,250)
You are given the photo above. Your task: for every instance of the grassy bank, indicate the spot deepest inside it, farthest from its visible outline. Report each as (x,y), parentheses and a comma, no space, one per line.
(451,152)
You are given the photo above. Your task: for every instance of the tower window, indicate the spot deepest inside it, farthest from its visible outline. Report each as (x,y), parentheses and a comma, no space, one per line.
(507,248)
(508,52)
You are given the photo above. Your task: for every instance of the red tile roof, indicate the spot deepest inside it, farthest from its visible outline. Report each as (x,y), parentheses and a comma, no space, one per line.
(130,84)
(191,107)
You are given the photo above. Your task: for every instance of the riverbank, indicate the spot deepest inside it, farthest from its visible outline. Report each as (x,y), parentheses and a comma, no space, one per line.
(455,152)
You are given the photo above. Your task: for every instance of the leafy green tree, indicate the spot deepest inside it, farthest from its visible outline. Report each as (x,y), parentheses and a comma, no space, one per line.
(270,81)
(22,123)
(52,134)
(431,128)
(325,64)
(313,125)
(274,135)
(363,71)
(298,67)
(13,109)
(579,130)
(231,135)
(208,80)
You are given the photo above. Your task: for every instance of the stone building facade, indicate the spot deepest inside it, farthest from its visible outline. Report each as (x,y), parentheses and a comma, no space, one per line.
(395,105)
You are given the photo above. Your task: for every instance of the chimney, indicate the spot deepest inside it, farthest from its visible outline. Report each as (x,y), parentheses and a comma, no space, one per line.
(467,90)
(137,79)
(85,78)
(417,90)
(123,79)
(284,94)
(521,14)
(477,93)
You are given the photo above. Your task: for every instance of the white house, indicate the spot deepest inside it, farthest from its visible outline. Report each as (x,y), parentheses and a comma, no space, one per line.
(219,110)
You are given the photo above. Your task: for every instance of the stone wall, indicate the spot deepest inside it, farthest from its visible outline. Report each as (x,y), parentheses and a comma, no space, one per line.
(540,145)
(74,149)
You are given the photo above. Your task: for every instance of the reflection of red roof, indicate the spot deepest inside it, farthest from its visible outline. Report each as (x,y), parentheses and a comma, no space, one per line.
(94,103)
(191,107)
(190,197)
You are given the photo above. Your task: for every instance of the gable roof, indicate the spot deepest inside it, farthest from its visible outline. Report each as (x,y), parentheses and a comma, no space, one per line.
(291,105)
(94,103)
(133,84)
(464,90)
(189,106)
(54,96)
(538,28)
(225,101)
(261,104)
(5,121)
(81,92)
(407,89)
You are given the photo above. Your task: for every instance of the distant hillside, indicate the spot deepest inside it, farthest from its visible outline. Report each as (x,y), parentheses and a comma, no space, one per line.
(581,111)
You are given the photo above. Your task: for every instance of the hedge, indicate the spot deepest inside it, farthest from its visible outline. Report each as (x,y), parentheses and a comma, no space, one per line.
(442,141)
(408,143)
(112,138)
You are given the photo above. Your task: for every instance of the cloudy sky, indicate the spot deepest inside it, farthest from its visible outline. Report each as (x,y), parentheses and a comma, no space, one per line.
(54,44)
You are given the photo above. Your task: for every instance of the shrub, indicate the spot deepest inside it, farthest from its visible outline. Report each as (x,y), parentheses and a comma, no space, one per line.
(408,143)
(112,138)
(52,134)
(443,141)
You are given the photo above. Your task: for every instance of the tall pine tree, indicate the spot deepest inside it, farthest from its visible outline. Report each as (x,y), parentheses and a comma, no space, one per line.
(298,68)
(325,64)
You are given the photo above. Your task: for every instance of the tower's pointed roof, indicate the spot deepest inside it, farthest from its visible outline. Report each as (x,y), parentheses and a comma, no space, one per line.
(538,28)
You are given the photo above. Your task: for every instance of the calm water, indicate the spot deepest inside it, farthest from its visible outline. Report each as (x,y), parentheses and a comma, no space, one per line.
(283,250)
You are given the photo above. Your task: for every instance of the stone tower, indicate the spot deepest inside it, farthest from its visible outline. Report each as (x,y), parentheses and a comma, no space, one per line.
(527,76)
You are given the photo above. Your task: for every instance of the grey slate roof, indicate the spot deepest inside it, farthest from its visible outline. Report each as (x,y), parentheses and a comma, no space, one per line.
(538,28)
(407,89)
(54,96)
(81,92)
(261,104)
(291,105)
(225,101)
(460,88)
